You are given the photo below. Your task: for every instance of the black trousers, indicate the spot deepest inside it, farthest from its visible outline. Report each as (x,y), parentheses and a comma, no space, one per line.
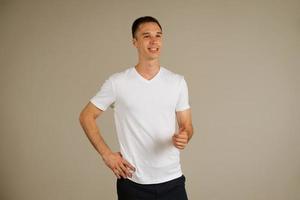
(170,190)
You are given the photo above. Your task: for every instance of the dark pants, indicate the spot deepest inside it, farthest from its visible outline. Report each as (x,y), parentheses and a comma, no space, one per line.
(170,190)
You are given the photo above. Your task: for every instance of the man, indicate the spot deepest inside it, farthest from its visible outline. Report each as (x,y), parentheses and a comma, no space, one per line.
(147,99)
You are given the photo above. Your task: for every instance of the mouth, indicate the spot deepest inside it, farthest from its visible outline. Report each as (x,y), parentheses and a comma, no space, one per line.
(153,49)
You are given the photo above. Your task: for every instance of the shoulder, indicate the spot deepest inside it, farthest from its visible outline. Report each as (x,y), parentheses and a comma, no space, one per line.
(121,75)
(172,76)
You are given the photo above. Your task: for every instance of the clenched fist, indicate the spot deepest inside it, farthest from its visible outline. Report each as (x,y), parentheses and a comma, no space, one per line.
(180,139)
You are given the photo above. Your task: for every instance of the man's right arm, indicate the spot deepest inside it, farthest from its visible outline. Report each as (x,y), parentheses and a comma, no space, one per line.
(114,161)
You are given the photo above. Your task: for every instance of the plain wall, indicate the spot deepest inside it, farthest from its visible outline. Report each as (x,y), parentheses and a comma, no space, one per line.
(241,60)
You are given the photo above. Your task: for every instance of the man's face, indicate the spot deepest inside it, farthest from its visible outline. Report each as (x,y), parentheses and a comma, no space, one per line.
(148,41)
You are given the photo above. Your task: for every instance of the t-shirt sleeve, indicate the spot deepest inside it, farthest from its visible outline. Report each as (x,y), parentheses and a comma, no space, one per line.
(106,96)
(183,97)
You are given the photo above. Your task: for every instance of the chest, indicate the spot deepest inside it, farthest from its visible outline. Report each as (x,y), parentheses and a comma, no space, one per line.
(139,97)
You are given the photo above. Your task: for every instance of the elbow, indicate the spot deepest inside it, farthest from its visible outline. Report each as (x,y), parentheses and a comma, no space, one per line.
(85,117)
(82,118)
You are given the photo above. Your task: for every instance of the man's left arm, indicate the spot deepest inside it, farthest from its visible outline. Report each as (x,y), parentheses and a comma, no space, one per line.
(185,133)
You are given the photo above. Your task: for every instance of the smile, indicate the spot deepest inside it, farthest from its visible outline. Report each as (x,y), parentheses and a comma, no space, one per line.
(153,49)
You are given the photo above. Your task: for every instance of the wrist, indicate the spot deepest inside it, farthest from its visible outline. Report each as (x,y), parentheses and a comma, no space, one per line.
(105,154)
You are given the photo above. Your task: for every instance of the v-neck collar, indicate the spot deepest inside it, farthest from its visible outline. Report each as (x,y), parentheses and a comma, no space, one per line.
(146,80)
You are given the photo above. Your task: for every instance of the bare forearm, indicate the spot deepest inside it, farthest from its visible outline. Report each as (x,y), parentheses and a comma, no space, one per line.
(189,129)
(92,132)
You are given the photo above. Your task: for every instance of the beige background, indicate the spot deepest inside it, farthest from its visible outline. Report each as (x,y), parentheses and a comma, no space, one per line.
(241,61)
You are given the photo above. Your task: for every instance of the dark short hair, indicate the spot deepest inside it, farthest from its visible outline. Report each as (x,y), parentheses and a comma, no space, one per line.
(142,20)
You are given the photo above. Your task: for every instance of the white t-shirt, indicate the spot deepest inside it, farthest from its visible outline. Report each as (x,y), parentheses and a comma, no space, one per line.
(145,120)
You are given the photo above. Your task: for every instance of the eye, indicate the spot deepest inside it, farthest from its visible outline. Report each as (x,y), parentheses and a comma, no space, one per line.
(146,36)
(158,36)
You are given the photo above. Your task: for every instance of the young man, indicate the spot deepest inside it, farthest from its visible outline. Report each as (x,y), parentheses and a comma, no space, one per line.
(147,100)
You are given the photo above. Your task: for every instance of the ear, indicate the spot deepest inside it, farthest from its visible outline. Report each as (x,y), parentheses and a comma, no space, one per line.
(134,42)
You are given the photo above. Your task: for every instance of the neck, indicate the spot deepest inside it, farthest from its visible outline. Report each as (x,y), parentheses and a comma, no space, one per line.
(149,67)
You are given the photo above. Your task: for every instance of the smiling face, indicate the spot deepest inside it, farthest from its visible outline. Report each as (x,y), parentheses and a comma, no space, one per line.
(148,41)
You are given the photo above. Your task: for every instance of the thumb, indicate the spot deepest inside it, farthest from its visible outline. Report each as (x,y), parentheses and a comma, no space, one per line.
(181,129)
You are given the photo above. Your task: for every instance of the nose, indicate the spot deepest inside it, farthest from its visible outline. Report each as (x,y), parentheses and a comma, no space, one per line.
(154,40)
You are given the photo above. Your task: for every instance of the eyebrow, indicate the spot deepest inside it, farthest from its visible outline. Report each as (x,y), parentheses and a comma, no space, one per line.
(146,33)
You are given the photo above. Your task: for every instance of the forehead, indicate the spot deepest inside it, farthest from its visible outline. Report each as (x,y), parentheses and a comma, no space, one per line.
(148,27)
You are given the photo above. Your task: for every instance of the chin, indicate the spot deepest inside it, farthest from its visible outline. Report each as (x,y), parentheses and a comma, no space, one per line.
(153,57)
